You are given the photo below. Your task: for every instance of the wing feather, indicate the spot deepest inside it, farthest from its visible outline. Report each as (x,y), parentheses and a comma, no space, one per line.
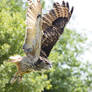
(53,25)
(33,36)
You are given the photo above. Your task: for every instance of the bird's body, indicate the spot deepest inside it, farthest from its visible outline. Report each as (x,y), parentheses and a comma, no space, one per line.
(42,33)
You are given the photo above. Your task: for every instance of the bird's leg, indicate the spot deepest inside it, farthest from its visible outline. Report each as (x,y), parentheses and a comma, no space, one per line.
(14,78)
(20,78)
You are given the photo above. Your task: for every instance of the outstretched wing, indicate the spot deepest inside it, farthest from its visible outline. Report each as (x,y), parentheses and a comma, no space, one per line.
(53,25)
(33,30)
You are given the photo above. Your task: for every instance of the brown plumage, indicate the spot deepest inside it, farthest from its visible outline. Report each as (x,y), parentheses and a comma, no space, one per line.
(41,36)
(53,26)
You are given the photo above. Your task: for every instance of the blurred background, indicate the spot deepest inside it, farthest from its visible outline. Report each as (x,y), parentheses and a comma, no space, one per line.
(71,56)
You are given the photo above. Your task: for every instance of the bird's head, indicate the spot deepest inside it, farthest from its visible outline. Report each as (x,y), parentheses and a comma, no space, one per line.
(16,59)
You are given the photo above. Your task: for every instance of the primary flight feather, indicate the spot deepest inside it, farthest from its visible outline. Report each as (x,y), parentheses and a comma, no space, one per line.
(53,26)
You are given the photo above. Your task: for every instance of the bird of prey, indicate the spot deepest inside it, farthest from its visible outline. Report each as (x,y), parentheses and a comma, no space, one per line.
(42,33)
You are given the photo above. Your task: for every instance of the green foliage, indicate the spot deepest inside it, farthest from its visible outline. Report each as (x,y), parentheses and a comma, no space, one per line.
(12,28)
(33,82)
(68,74)
(68,69)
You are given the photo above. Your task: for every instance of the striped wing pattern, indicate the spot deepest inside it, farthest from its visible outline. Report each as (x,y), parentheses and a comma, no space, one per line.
(33,36)
(53,24)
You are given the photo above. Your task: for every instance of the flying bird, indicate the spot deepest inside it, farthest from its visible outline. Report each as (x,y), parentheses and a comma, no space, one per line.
(42,33)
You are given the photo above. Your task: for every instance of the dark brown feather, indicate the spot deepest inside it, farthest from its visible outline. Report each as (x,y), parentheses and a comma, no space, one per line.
(58,17)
